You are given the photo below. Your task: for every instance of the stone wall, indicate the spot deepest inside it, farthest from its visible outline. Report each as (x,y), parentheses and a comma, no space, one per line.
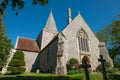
(105,53)
(70,33)
(45,37)
(48,57)
(30,58)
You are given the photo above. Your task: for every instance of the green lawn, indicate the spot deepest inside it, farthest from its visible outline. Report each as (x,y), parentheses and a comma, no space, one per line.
(35,76)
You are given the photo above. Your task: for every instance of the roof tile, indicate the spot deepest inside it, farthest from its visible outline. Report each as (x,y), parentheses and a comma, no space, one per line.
(27,44)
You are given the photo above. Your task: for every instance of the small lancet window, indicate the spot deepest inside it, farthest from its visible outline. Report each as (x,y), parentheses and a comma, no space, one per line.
(83,40)
(47,56)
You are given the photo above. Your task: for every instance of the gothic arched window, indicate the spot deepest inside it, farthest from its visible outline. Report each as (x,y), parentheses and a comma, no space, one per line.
(83,41)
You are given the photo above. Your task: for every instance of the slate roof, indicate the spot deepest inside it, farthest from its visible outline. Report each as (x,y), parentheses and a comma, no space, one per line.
(50,24)
(27,44)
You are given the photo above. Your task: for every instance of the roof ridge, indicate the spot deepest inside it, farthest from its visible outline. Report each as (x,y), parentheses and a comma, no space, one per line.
(26,38)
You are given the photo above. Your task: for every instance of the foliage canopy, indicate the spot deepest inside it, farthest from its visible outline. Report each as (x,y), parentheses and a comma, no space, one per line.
(111,36)
(5,44)
(18,4)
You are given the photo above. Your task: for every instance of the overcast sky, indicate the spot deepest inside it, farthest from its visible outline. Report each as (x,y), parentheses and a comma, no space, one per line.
(31,19)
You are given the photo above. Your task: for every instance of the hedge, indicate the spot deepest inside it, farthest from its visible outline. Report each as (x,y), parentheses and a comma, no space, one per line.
(18,55)
(16,70)
(16,65)
(17,62)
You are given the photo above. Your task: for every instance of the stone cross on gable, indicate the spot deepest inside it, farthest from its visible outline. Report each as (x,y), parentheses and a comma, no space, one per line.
(86,66)
(103,67)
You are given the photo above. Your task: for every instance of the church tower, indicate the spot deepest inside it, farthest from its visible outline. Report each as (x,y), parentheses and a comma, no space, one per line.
(48,32)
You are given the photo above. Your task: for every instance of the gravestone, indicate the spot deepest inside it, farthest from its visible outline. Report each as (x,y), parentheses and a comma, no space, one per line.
(103,67)
(85,65)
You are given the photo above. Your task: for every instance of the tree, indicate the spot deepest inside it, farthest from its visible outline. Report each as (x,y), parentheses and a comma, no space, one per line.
(111,35)
(18,4)
(5,44)
(115,50)
(104,35)
(17,64)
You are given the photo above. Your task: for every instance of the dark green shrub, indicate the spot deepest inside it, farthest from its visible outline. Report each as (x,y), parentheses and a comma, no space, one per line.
(72,64)
(107,65)
(18,55)
(118,69)
(112,70)
(16,70)
(17,62)
(16,65)
(73,61)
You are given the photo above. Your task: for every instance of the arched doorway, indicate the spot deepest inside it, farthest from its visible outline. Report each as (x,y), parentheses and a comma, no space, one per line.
(85,58)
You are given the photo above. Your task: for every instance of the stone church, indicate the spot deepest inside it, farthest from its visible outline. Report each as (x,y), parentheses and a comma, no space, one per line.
(52,49)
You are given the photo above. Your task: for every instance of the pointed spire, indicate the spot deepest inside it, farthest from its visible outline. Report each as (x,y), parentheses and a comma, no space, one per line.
(50,24)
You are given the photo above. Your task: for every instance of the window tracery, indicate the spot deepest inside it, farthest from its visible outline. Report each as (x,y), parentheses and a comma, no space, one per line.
(83,41)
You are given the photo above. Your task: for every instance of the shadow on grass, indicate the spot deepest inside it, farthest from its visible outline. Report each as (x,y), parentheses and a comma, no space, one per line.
(114,77)
(39,78)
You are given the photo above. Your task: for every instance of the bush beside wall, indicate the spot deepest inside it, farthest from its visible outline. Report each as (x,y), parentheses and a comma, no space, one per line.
(16,65)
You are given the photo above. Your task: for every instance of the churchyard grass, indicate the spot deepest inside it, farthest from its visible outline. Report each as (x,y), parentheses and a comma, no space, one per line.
(82,77)
(37,76)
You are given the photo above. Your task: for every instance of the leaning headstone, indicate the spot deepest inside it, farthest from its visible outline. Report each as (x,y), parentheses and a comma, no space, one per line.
(37,71)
